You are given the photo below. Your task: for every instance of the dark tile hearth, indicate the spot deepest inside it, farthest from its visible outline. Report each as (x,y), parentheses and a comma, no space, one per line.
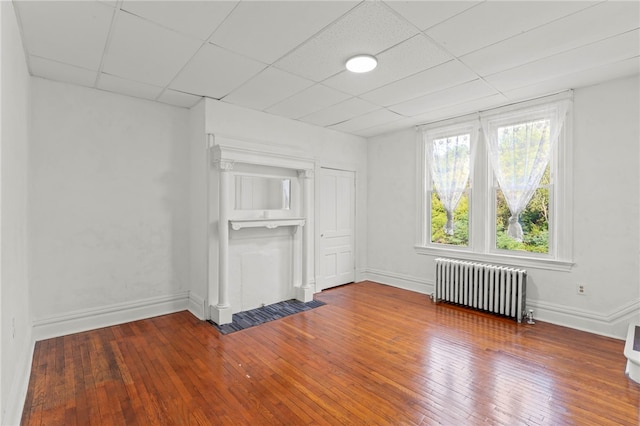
(247,319)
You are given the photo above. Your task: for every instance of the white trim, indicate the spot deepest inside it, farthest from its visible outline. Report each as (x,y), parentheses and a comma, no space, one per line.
(20,385)
(560,238)
(563,208)
(106,316)
(426,138)
(263,154)
(405,282)
(197,306)
(238,224)
(361,275)
(423,213)
(482,233)
(226,152)
(503,259)
(616,315)
(613,324)
(256,145)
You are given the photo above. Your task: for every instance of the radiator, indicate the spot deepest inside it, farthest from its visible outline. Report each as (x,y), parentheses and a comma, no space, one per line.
(497,289)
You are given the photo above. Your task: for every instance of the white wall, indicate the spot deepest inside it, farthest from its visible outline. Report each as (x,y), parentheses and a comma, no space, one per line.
(198,203)
(16,343)
(327,147)
(109,208)
(606,216)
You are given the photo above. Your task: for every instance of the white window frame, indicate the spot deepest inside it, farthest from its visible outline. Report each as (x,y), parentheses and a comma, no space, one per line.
(482,226)
(458,127)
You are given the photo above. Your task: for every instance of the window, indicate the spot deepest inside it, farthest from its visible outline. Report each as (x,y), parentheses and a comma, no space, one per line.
(497,185)
(449,160)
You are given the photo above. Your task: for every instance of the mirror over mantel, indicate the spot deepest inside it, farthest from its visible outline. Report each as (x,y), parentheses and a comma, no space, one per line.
(262,193)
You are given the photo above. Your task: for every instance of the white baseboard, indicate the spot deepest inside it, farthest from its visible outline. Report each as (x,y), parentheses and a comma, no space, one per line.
(613,324)
(406,282)
(361,275)
(90,319)
(197,306)
(19,386)
(105,316)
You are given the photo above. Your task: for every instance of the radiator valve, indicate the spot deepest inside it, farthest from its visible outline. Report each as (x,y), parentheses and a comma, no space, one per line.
(530,317)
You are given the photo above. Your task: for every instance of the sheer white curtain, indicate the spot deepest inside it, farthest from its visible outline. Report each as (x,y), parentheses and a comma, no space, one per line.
(520,144)
(450,162)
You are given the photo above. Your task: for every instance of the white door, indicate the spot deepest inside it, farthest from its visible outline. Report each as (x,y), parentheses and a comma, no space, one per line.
(336,217)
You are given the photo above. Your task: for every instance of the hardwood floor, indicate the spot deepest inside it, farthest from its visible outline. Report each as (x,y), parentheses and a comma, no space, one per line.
(373,355)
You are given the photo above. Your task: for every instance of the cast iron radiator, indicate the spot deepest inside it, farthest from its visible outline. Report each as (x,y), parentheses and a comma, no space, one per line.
(498,289)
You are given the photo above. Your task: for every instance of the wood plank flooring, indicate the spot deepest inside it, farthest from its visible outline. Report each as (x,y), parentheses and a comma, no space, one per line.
(373,355)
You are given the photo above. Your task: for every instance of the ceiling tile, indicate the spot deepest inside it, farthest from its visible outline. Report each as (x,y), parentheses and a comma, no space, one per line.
(267,88)
(308,101)
(425,14)
(145,52)
(461,109)
(393,126)
(402,60)
(494,21)
(614,49)
(603,20)
(381,116)
(369,28)
(195,18)
(57,71)
(345,110)
(71,32)
(214,72)
(456,95)
(268,30)
(176,52)
(434,79)
(128,87)
(578,79)
(179,98)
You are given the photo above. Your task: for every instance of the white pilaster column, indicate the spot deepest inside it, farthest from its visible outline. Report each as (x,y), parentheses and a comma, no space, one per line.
(222,311)
(306,290)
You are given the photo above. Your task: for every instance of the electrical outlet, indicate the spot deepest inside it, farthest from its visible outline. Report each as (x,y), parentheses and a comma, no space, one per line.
(581,289)
(13,328)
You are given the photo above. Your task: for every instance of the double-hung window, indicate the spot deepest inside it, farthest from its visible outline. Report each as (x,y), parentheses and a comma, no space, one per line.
(449,162)
(496,185)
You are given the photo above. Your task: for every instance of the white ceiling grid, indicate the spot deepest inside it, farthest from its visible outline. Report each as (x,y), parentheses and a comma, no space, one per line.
(437,59)
(308,101)
(267,88)
(67,32)
(265,30)
(351,108)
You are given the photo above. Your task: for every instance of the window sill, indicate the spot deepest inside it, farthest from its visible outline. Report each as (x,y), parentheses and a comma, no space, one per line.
(502,259)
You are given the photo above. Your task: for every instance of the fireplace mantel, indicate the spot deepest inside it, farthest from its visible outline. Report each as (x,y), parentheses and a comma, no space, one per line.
(228,153)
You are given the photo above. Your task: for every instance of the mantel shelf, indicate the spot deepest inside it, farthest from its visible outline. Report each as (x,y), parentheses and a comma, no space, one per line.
(270,223)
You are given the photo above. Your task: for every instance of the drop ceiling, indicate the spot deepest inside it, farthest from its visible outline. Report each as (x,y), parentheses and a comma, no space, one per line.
(437,59)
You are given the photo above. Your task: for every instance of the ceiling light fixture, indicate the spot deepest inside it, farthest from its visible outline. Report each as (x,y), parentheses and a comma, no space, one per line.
(362,63)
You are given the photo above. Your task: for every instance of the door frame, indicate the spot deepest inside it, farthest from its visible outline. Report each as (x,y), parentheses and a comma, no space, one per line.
(342,167)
